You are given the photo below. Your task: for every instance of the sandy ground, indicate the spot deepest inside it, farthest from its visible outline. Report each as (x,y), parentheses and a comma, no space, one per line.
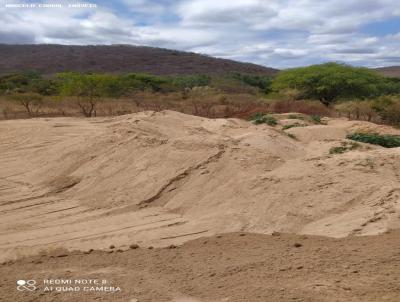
(231,268)
(156,179)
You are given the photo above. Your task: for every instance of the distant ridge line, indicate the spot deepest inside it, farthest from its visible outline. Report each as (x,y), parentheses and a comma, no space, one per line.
(52,58)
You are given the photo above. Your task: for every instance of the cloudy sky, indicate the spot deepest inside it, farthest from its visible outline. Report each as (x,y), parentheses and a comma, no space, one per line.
(276,33)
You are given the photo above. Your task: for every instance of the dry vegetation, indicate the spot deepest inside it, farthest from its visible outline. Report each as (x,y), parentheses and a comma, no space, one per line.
(213,106)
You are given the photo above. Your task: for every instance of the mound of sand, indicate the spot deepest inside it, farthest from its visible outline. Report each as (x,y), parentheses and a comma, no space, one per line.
(165,178)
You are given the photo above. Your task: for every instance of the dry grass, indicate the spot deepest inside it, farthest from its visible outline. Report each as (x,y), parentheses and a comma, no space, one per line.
(206,103)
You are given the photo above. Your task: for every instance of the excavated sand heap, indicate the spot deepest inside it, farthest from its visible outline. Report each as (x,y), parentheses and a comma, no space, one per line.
(165,178)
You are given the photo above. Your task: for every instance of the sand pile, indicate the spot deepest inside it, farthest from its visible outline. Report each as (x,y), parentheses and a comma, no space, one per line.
(165,178)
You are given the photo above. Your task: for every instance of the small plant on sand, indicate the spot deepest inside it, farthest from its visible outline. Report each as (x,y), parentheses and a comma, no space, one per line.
(337,150)
(387,141)
(295,117)
(260,118)
(346,146)
(292,136)
(316,118)
(286,127)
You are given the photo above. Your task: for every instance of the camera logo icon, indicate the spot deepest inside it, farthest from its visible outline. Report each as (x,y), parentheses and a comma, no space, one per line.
(26,285)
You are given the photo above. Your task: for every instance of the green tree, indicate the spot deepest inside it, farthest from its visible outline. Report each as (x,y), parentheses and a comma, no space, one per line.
(141,81)
(89,89)
(259,81)
(330,82)
(189,82)
(17,82)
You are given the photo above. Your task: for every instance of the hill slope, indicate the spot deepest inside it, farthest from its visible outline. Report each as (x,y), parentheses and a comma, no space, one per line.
(117,58)
(391,71)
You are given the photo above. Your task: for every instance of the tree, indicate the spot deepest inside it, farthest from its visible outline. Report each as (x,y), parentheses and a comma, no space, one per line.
(330,82)
(259,81)
(43,87)
(31,101)
(89,89)
(191,81)
(17,82)
(142,81)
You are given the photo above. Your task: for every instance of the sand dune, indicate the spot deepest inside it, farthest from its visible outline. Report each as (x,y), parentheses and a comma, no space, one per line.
(158,179)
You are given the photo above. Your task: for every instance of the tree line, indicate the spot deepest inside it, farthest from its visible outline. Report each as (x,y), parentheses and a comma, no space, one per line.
(329,83)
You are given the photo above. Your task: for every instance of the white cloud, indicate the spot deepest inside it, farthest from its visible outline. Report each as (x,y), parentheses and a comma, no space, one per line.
(277,33)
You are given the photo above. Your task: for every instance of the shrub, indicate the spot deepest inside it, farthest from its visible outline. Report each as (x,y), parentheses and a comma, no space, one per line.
(337,150)
(357,109)
(388,109)
(260,118)
(31,101)
(344,148)
(261,82)
(189,82)
(295,117)
(286,127)
(304,107)
(316,118)
(387,141)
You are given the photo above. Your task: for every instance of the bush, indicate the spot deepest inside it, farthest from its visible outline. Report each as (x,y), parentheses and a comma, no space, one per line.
(261,82)
(304,107)
(387,141)
(189,82)
(31,101)
(316,118)
(388,109)
(344,148)
(286,127)
(357,109)
(295,117)
(260,118)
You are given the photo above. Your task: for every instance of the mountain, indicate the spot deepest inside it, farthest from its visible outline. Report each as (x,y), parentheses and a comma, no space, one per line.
(391,71)
(117,59)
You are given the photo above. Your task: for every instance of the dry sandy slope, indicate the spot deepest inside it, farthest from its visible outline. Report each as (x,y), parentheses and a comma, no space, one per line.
(162,178)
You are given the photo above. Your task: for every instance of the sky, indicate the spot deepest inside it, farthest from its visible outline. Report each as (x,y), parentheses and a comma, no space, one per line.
(274,33)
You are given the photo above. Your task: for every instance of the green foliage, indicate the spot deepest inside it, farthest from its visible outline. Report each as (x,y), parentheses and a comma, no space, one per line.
(387,141)
(331,81)
(141,81)
(189,82)
(286,127)
(259,81)
(260,118)
(89,89)
(90,86)
(295,117)
(316,118)
(44,87)
(17,82)
(345,147)
(337,150)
